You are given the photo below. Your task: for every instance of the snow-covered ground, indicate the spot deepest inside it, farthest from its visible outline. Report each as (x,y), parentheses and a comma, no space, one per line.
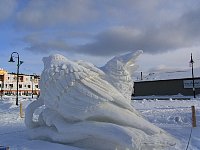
(174,116)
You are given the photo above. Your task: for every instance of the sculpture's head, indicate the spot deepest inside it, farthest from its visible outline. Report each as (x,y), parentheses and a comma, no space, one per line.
(119,71)
(54,59)
(122,64)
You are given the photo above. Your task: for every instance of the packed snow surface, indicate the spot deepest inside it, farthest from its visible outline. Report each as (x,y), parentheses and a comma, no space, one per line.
(173,116)
(87,107)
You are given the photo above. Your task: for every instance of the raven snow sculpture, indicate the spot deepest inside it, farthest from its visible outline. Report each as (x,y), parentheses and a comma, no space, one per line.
(90,108)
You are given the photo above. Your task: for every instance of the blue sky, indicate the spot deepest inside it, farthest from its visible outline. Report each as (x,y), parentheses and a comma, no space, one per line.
(96,30)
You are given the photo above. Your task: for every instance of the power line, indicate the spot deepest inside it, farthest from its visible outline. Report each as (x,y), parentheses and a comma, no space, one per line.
(189,139)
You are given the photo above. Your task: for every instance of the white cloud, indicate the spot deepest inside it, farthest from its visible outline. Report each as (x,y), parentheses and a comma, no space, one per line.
(40,14)
(45,43)
(117,26)
(172,60)
(7,7)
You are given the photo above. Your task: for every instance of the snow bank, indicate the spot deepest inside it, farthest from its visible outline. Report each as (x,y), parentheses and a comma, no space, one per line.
(88,107)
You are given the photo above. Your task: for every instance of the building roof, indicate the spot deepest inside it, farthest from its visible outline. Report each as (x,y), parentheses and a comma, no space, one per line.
(2,72)
(169,75)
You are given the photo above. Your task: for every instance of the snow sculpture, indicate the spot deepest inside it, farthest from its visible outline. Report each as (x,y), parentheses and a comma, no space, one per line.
(90,108)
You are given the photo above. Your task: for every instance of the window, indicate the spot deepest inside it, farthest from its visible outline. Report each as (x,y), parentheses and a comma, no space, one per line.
(36,86)
(29,86)
(20,85)
(11,85)
(21,79)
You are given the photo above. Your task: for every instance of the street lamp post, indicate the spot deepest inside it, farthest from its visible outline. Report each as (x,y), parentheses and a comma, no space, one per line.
(33,79)
(32,87)
(18,64)
(2,89)
(192,62)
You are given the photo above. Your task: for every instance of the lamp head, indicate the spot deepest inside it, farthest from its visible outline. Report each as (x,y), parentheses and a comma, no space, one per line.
(191,59)
(11,59)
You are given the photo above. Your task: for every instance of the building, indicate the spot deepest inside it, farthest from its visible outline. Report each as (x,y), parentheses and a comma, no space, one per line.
(28,84)
(182,86)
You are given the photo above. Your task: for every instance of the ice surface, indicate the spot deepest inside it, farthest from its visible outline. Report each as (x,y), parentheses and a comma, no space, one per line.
(89,107)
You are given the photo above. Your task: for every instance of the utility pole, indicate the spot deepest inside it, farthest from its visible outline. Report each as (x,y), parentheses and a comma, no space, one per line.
(193,83)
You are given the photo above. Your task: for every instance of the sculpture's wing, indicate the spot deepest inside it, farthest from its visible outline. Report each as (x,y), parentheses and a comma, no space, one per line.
(73,88)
